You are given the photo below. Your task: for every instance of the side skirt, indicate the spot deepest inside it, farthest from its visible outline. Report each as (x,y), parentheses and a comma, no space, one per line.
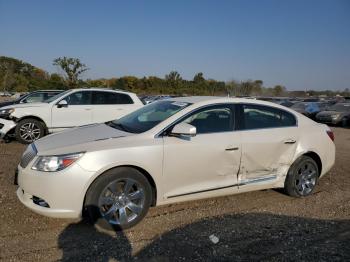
(242,183)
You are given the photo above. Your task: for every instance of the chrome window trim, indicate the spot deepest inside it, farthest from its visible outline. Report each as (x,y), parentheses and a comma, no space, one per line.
(233,104)
(159,134)
(275,108)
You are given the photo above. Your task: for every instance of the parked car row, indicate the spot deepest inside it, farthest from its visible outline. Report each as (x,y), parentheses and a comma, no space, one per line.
(39,113)
(338,114)
(334,111)
(30,121)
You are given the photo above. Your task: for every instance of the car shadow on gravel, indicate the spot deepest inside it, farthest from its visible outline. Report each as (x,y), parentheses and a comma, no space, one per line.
(243,237)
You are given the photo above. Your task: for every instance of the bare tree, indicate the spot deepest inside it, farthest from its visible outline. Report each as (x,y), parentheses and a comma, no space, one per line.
(73,68)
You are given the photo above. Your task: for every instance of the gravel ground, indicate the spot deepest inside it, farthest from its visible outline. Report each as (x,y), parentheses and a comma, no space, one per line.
(264,225)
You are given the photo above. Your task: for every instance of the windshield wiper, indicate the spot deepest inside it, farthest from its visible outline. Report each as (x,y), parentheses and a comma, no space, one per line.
(118,126)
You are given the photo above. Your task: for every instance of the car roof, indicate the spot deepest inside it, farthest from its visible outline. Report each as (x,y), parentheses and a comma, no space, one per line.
(101,89)
(219,99)
(50,90)
(203,100)
(194,99)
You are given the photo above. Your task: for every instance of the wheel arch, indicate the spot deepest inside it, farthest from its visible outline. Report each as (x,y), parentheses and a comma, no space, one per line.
(316,158)
(141,170)
(33,117)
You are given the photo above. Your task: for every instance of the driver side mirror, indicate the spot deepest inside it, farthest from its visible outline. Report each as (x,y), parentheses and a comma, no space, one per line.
(183,129)
(62,103)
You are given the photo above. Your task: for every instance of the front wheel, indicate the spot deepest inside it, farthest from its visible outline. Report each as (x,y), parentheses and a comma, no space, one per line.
(119,199)
(29,130)
(302,177)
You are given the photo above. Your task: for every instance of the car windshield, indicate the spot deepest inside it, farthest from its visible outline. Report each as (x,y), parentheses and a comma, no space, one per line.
(56,96)
(17,100)
(148,116)
(340,108)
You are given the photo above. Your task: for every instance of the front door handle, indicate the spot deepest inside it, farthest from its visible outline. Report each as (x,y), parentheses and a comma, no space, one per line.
(231,149)
(289,141)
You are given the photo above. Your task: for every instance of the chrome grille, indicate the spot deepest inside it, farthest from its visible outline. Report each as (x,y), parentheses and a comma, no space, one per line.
(325,117)
(28,155)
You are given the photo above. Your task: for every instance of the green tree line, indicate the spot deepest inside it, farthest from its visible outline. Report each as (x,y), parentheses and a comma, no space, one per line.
(19,76)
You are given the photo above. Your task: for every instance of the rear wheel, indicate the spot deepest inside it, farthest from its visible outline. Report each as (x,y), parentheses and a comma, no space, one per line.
(29,130)
(302,177)
(119,199)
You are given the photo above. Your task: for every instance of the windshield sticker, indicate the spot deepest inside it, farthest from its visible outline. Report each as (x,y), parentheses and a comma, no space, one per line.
(180,104)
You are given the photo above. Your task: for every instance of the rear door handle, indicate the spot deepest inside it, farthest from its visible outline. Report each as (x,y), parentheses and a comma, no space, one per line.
(231,149)
(289,141)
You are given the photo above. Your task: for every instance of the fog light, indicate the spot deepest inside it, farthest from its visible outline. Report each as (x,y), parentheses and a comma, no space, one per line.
(40,202)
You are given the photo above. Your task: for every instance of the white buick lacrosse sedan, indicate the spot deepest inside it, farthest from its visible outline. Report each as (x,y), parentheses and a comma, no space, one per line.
(171,151)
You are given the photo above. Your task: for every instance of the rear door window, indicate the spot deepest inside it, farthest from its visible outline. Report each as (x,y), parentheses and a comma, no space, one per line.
(110,98)
(258,116)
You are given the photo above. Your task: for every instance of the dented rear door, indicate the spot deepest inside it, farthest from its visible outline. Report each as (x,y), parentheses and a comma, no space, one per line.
(269,139)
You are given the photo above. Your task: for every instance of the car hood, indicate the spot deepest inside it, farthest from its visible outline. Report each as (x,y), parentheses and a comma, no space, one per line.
(26,105)
(329,113)
(78,136)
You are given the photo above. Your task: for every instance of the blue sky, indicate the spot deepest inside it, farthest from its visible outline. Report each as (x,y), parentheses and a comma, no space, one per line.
(299,44)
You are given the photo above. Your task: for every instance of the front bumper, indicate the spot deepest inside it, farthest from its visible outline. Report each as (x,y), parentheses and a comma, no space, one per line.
(6,126)
(63,191)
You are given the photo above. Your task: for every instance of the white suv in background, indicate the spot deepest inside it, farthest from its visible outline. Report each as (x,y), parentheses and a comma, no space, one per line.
(76,107)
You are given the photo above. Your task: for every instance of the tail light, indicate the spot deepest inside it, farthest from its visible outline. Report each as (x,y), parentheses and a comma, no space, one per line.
(330,134)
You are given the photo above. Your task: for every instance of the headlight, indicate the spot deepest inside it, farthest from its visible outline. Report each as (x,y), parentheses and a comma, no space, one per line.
(336,116)
(6,112)
(55,163)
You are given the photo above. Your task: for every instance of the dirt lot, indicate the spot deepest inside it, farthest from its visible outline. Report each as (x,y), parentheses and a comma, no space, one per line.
(3,99)
(264,225)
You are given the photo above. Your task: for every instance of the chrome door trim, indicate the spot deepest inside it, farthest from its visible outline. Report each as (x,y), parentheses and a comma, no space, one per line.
(257,180)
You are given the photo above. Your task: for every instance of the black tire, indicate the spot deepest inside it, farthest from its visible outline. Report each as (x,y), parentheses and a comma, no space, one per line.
(35,129)
(116,177)
(297,176)
(344,122)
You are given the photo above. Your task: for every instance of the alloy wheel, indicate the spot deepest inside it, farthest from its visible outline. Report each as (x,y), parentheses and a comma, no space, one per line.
(122,201)
(306,178)
(29,132)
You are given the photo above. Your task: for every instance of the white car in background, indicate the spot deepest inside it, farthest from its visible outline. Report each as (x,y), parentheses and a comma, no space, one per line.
(171,151)
(76,107)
